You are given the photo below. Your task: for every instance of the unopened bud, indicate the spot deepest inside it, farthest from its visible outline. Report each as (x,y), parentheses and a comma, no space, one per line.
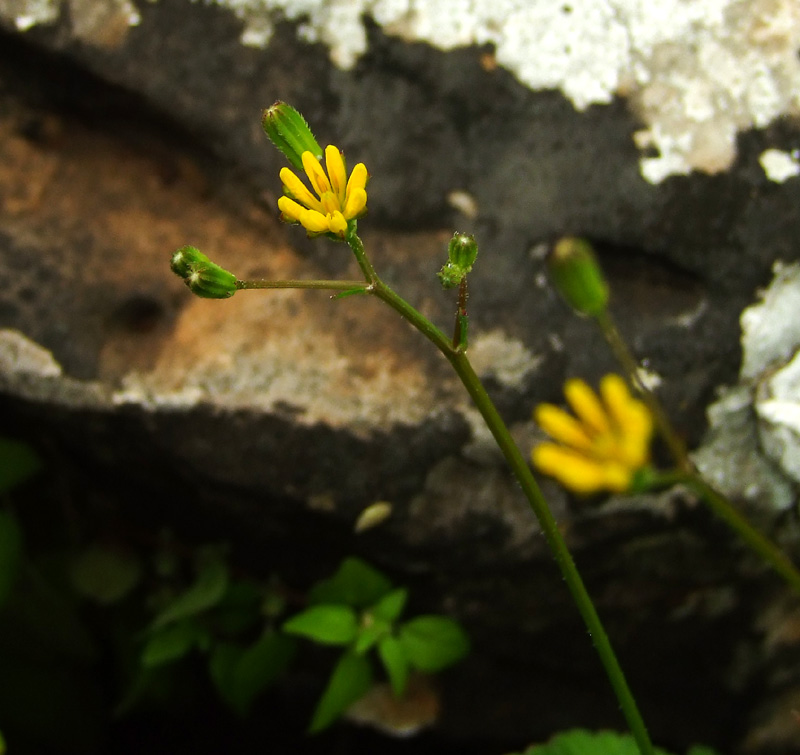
(289,132)
(577,276)
(202,276)
(461,253)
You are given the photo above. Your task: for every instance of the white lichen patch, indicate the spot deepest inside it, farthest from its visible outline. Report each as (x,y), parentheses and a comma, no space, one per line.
(780,166)
(696,71)
(752,447)
(101,23)
(506,359)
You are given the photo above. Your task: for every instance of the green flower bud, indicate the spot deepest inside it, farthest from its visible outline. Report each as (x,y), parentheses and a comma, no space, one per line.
(289,132)
(461,252)
(202,276)
(577,276)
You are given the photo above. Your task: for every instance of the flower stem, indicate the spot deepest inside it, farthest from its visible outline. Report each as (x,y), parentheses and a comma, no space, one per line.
(519,466)
(686,473)
(331,285)
(736,520)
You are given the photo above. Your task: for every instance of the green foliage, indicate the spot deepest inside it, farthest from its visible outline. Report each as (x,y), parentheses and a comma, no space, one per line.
(326,624)
(207,590)
(358,608)
(10,553)
(582,742)
(432,643)
(355,584)
(18,463)
(350,680)
(103,574)
(241,673)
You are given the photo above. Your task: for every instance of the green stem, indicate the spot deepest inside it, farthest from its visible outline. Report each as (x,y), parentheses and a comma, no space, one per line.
(736,520)
(331,285)
(519,466)
(625,358)
(686,472)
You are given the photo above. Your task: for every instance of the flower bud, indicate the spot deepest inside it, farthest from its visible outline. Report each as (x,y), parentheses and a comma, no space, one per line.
(577,276)
(289,132)
(202,276)
(461,252)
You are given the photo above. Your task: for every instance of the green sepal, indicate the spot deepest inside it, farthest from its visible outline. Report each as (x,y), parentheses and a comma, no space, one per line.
(203,277)
(577,276)
(289,132)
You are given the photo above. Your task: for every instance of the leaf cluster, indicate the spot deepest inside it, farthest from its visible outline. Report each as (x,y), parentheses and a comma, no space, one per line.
(359,610)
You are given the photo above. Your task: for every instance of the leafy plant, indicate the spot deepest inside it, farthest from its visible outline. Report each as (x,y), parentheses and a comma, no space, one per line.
(582,742)
(358,609)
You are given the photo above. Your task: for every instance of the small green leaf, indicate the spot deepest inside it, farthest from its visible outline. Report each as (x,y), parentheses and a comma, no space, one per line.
(205,593)
(241,674)
(2,744)
(18,462)
(355,583)
(172,643)
(394,660)
(104,574)
(390,606)
(582,742)
(350,680)
(370,631)
(433,642)
(326,624)
(10,553)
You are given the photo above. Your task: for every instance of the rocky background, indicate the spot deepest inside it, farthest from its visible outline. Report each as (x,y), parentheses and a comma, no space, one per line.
(272,419)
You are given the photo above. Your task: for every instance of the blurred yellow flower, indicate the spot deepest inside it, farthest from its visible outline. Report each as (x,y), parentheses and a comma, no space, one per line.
(603,445)
(338,199)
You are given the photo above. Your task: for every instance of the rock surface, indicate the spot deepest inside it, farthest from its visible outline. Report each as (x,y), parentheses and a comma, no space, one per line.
(275,418)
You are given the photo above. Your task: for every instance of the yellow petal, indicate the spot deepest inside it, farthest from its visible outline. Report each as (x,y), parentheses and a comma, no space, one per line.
(298,189)
(337,172)
(338,224)
(314,221)
(358,180)
(562,427)
(330,203)
(290,210)
(587,406)
(574,471)
(356,203)
(319,181)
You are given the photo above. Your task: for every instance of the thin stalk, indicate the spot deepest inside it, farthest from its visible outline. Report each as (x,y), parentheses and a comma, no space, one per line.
(331,285)
(736,520)
(519,466)
(625,358)
(686,473)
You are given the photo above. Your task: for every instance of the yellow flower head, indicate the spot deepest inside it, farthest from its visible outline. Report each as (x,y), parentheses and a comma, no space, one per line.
(335,199)
(603,445)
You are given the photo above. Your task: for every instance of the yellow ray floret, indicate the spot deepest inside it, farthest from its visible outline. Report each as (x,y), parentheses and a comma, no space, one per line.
(603,446)
(338,199)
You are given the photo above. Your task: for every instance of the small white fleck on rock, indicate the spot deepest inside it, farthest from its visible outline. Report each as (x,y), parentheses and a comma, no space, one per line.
(779,166)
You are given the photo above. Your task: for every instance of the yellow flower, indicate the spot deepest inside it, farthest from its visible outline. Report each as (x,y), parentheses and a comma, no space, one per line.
(338,199)
(603,445)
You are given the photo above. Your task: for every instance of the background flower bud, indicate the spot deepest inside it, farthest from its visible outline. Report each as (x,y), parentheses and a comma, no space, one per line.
(577,276)
(202,276)
(461,253)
